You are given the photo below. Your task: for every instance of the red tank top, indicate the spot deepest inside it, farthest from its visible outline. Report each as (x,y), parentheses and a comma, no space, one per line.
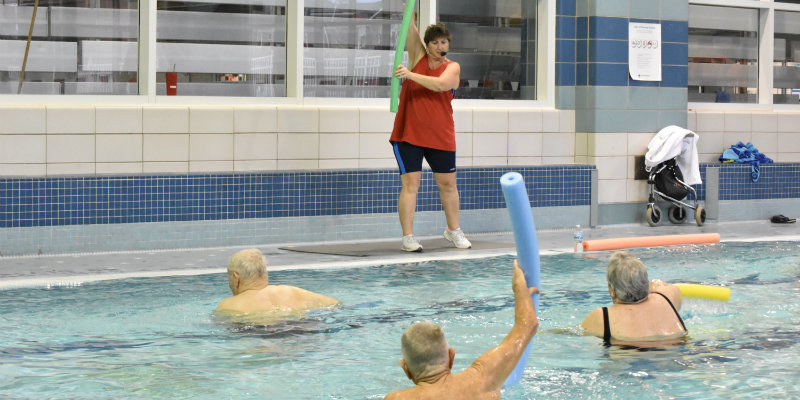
(424,117)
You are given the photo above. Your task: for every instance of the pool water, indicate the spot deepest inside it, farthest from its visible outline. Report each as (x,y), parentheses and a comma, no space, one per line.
(158,338)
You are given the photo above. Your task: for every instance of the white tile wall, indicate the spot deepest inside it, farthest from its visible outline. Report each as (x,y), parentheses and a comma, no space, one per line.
(118,119)
(615,167)
(764,122)
(738,122)
(255,165)
(23,169)
(168,167)
(710,121)
(462,118)
(210,166)
(637,191)
(464,144)
(165,148)
(789,122)
(558,144)
(730,138)
(490,121)
(70,149)
(637,143)
(566,121)
(490,145)
(377,163)
(338,146)
(525,145)
(71,169)
(374,146)
(338,119)
(612,191)
(165,119)
(70,119)
(339,164)
(297,164)
(118,148)
(488,161)
(550,121)
(295,146)
(23,149)
(210,119)
(376,120)
(525,120)
(252,119)
(118,168)
(607,144)
(789,142)
(211,147)
(298,119)
(766,142)
(23,120)
(255,146)
(523,161)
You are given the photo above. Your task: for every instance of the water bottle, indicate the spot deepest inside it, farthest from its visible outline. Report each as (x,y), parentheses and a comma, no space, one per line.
(578,236)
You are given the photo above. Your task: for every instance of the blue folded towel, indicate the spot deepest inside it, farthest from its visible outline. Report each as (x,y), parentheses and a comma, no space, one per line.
(746,153)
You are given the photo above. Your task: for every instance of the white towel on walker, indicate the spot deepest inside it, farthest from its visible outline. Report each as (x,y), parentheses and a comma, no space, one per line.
(671,142)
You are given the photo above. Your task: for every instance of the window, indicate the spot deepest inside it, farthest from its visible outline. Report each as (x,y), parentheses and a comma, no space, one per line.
(76,47)
(495,44)
(221,48)
(786,73)
(723,54)
(349,47)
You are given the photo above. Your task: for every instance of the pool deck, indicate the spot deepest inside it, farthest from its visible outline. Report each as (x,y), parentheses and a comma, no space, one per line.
(73,269)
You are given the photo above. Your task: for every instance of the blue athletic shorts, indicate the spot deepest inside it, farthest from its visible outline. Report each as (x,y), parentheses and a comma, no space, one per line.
(409,158)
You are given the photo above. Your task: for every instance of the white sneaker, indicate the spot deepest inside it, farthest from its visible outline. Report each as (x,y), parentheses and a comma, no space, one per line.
(410,243)
(457,238)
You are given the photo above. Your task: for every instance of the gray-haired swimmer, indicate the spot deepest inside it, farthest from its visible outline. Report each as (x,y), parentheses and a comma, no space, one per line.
(252,293)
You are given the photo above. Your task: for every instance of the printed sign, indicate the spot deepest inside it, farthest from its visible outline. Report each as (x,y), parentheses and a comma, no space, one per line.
(644,51)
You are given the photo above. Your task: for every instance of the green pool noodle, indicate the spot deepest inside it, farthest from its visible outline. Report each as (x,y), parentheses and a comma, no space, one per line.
(398,55)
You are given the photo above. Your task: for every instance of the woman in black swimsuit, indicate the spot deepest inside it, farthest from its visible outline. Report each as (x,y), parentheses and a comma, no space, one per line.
(643,310)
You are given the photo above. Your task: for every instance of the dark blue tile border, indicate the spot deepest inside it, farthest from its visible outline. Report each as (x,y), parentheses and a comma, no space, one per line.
(27,202)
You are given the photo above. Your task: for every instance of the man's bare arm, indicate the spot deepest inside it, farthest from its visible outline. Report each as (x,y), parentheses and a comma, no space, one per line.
(496,364)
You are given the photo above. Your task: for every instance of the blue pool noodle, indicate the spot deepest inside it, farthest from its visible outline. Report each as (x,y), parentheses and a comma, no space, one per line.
(519,209)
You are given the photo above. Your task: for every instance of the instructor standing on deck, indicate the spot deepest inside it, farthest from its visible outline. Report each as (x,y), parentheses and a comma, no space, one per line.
(423,127)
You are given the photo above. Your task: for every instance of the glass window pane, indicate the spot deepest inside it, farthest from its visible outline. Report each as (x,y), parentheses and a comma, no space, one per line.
(723,54)
(786,72)
(221,48)
(495,43)
(349,47)
(76,47)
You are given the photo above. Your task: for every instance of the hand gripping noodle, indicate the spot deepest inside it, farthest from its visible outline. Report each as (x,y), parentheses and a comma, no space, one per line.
(704,291)
(394,97)
(519,209)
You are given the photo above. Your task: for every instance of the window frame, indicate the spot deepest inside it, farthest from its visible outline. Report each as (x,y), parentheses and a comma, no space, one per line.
(545,90)
(766,50)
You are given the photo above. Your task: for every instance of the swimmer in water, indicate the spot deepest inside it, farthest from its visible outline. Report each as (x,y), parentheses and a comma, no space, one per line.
(427,359)
(252,293)
(644,312)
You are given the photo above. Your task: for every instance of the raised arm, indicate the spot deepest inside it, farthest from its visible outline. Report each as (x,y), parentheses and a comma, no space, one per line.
(414,45)
(495,365)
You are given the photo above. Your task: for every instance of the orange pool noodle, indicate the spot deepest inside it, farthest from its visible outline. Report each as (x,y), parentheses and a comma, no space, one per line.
(649,241)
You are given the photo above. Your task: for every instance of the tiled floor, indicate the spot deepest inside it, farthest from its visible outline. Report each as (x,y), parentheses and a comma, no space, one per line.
(71,269)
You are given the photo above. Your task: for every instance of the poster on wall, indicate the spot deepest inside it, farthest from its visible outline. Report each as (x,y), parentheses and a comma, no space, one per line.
(644,51)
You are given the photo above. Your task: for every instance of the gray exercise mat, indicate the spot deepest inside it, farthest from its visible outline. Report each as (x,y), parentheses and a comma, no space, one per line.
(382,249)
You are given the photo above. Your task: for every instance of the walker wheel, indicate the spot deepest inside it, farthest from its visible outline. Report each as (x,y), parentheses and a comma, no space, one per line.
(700,216)
(653,215)
(677,215)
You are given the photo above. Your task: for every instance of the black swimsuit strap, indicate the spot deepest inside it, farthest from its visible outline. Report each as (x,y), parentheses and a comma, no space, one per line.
(606,328)
(673,309)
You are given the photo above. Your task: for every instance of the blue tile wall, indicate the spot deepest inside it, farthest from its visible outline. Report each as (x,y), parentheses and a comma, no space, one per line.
(675,54)
(565,27)
(28,202)
(614,51)
(565,74)
(675,31)
(776,181)
(566,7)
(565,50)
(608,28)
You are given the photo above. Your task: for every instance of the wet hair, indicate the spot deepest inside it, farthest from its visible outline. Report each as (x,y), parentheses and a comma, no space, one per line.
(425,349)
(250,264)
(436,31)
(628,276)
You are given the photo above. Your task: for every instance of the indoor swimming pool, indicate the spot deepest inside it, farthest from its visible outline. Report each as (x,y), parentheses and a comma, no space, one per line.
(158,337)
